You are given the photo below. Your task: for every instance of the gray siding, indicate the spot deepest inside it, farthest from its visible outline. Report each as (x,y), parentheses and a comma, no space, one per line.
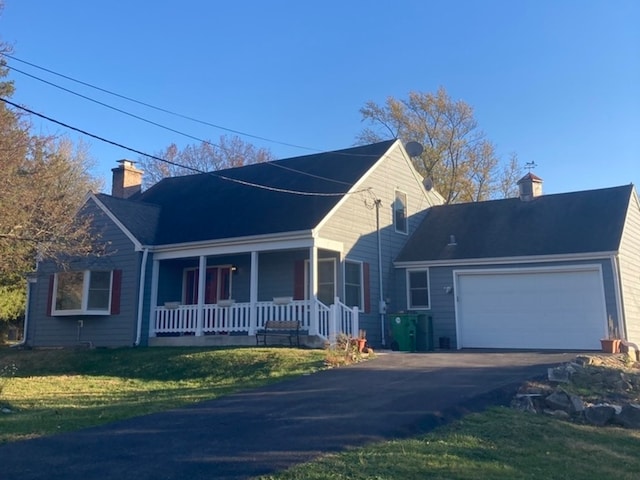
(354,224)
(443,304)
(629,264)
(100,331)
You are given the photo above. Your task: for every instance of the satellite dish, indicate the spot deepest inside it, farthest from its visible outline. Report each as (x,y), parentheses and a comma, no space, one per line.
(414,149)
(428,184)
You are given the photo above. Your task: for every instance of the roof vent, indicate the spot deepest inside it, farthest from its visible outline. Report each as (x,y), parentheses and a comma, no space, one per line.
(530,187)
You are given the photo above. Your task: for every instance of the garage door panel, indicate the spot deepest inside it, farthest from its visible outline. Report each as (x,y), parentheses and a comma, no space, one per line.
(533,309)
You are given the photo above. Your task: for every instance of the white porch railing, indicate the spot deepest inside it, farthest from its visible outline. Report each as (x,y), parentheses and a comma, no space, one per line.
(216,319)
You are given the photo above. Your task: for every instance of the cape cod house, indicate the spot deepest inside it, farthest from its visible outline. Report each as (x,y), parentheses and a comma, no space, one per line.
(209,258)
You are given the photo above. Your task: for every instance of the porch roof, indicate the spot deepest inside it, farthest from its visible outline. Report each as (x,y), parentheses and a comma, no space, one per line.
(247,201)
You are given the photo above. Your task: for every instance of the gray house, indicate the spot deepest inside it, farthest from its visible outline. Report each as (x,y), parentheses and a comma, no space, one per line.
(207,259)
(540,271)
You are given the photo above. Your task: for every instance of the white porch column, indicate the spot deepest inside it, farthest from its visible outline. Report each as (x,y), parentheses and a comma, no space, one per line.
(155,274)
(202,281)
(253,295)
(334,327)
(313,290)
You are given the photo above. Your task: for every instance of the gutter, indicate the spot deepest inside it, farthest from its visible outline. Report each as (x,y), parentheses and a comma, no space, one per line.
(143,274)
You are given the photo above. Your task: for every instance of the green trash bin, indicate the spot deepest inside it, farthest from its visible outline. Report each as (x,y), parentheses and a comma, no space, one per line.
(403,331)
(424,333)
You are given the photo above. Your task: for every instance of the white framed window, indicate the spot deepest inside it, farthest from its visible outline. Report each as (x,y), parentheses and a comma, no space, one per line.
(353,284)
(418,297)
(400,212)
(82,293)
(326,280)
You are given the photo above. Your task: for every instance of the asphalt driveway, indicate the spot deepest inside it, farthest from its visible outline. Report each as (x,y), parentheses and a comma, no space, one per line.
(268,429)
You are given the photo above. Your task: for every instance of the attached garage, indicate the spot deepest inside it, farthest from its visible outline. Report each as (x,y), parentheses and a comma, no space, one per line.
(536,308)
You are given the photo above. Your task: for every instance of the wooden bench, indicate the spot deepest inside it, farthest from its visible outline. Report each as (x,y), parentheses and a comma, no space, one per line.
(277,328)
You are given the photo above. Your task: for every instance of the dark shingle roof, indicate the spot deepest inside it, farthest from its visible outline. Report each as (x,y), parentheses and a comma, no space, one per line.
(568,223)
(213,206)
(141,219)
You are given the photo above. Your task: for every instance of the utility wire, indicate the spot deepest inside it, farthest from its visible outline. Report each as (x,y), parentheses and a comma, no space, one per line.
(114,108)
(216,174)
(160,109)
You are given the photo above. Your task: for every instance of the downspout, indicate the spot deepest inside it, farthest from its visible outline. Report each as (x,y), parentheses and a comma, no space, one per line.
(143,274)
(25,327)
(381,304)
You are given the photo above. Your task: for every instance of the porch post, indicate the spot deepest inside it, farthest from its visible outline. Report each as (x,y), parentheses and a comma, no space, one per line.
(313,290)
(155,274)
(202,281)
(253,295)
(334,327)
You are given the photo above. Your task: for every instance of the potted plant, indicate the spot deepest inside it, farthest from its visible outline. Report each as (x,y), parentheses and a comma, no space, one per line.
(361,340)
(611,344)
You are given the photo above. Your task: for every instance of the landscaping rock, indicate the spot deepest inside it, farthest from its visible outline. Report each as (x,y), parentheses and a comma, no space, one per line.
(557,413)
(599,415)
(629,416)
(558,374)
(524,403)
(577,405)
(559,400)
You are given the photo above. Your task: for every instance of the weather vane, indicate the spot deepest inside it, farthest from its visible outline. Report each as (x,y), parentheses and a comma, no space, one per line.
(530,165)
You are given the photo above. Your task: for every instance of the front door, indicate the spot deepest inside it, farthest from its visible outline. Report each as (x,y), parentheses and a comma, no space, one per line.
(217,285)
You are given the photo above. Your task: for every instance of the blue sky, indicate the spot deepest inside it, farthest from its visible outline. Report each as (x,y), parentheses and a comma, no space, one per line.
(557,82)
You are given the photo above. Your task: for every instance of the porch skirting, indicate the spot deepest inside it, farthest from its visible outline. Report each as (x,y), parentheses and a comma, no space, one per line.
(308,341)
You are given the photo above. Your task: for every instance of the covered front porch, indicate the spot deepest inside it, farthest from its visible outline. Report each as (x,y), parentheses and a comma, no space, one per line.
(219,298)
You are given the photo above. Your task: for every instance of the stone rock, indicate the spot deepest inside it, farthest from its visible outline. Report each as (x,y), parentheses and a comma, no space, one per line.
(524,403)
(558,400)
(558,374)
(557,413)
(577,405)
(6,410)
(600,414)
(629,416)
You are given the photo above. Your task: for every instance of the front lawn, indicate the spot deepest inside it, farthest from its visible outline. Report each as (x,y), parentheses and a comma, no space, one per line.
(499,444)
(48,391)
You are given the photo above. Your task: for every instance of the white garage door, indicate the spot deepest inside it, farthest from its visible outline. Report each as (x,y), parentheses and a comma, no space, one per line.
(533,308)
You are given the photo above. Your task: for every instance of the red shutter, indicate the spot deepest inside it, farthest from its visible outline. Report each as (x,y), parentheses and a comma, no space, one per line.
(116,289)
(366,287)
(298,280)
(52,278)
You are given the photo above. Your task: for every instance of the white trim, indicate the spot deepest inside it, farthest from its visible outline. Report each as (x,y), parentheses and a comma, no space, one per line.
(406,211)
(235,245)
(356,186)
(408,289)
(138,246)
(307,276)
(84,300)
(344,283)
(518,270)
(506,260)
(143,276)
(617,286)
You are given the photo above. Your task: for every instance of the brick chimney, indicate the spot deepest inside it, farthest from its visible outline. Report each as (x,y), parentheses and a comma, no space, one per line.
(530,187)
(127,179)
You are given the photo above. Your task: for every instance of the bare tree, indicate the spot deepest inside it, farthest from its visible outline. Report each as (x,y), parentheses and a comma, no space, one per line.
(458,158)
(44,183)
(230,151)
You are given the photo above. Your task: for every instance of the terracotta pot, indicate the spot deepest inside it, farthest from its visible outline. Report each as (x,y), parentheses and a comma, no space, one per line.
(362,342)
(610,345)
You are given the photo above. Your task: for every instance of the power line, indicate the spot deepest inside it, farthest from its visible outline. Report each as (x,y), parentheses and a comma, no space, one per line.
(153,157)
(160,109)
(137,117)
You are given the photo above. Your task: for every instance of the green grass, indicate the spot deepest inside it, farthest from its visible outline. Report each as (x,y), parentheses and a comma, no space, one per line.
(51,391)
(500,444)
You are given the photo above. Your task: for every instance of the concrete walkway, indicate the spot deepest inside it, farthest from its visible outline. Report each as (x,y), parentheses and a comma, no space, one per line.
(269,429)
